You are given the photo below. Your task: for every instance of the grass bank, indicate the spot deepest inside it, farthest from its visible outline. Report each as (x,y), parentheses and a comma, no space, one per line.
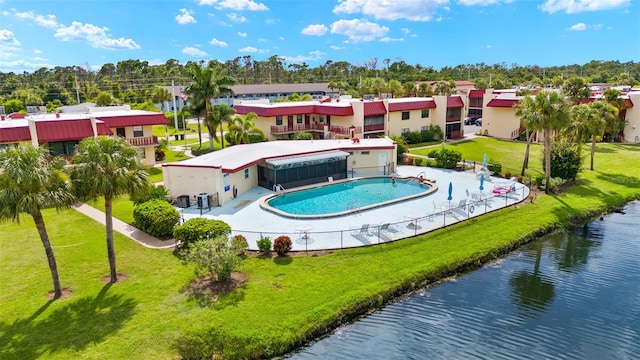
(285,302)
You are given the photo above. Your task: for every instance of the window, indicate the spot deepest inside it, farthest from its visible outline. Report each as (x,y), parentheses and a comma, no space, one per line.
(425,113)
(424,128)
(246,173)
(278,120)
(405,115)
(321,118)
(121,132)
(137,131)
(299,119)
(404,131)
(364,152)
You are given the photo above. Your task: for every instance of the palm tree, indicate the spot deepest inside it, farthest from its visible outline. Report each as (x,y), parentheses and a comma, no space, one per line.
(161,95)
(525,112)
(221,114)
(208,85)
(108,167)
(30,182)
(602,114)
(546,111)
(241,129)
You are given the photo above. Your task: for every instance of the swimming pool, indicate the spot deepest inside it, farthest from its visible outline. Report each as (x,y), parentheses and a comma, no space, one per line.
(345,197)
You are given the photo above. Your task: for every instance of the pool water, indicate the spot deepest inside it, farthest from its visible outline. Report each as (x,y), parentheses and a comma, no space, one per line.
(345,197)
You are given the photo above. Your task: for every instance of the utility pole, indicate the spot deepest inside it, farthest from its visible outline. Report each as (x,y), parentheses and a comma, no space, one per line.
(75,77)
(175,108)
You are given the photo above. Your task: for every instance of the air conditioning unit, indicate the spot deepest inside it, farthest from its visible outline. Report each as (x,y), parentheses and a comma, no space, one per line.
(369,97)
(386,95)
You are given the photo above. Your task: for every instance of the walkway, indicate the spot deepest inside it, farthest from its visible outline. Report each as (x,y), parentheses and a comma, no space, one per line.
(125,229)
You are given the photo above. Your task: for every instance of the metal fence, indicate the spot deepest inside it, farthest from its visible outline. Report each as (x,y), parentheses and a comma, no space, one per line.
(366,234)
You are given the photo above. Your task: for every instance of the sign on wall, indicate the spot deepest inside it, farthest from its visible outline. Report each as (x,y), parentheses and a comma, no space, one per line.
(227,184)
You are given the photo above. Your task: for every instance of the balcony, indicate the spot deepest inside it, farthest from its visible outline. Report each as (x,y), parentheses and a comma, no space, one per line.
(345,130)
(143,141)
(374,127)
(451,119)
(283,129)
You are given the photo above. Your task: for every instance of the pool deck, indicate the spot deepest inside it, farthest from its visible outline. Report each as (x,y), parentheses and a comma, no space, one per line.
(407,218)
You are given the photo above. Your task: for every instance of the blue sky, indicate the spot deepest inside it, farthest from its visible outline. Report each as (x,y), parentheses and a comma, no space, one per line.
(437,33)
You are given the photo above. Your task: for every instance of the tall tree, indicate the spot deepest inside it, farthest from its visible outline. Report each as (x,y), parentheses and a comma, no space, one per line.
(546,111)
(30,182)
(208,85)
(602,114)
(108,167)
(222,114)
(576,89)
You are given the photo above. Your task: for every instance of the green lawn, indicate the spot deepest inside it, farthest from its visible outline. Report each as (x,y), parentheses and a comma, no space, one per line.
(285,300)
(155,174)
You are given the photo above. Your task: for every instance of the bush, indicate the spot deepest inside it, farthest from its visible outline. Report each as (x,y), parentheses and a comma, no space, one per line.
(417,161)
(566,160)
(240,245)
(264,245)
(432,133)
(156,217)
(445,158)
(495,167)
(200,150)
(200,229)
(413,137)
(213,257)
(507,174)
(282,245)
(153,192)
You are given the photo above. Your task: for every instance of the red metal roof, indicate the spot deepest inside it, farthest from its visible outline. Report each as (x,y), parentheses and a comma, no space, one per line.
(372,108)
(412,105)
(62,130)
(506,103)
(454,102)
(270,111)
(16,115)
(103,129)
(134,120)
(14,134)
(334,110)
(476,93)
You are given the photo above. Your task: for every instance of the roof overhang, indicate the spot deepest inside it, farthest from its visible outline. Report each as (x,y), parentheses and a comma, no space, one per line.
(307,158)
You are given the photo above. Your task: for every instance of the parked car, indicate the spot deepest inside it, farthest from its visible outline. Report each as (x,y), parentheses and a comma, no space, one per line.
(479,122)
(469,121)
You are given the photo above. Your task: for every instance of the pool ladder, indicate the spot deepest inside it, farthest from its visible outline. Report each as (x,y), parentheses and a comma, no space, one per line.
(278,188)
(352,206)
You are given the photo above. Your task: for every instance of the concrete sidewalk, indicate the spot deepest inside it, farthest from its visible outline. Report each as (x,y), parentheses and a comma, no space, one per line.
(127,230)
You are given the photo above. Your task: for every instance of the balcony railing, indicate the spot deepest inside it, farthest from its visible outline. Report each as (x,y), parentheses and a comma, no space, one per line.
(345,130)
(453,119)
(374,127)
(143,141)
(281,129)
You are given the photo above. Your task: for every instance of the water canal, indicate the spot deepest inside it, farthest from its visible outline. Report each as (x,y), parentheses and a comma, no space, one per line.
(570,295)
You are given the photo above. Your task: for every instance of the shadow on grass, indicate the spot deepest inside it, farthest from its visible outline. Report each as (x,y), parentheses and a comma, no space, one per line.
(620,179)
(217,294)
(283,260)
(71,327)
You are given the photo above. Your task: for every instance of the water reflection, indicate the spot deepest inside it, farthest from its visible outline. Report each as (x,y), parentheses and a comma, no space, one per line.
(571,295)
(530,290)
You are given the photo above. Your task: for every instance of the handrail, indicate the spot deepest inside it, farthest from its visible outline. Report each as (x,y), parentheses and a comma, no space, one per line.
(278,188)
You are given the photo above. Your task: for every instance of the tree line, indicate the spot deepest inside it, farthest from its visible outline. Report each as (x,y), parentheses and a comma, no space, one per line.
(133,81)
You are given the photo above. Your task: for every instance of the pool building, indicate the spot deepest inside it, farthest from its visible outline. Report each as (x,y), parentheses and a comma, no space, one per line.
(276,165)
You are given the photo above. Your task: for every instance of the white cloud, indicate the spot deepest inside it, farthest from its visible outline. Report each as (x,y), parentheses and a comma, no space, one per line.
(96,36)
(577,6)
(217,42)
(236,18)
(281,38)
(488,46)
(315,30)
(251,49)
(37,51)
(414,10)
(482,2)
(271,21)
(262,40)
(596,26)
(185,17)
(242,34)
(313,56)
(334,47)
(387,39)
(193,51)
(405,31)
(578,27)
(8,38)
(237,5)
(23,65)
(48,21)
(359,30)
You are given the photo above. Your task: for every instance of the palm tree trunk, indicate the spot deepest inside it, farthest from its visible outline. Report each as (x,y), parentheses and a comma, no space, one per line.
(547,159)
(53,266)
(111,251)
(221,134)
(199,133)
(525,163)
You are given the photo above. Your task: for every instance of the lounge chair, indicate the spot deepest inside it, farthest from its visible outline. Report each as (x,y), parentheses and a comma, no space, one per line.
(364,230)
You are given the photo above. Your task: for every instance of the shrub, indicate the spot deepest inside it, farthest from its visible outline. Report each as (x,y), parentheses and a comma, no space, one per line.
(199,229)
(432,133)
(200,150)
(153,192)
(282,245)
(156,217)
(413,137)
(507,174)
(539,180)
(264,245)
(213,257)
(445,158)
(494,166)
(417,161)
(566,160)
(240,245)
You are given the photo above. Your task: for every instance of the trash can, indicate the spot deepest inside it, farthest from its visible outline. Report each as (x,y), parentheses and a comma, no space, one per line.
(203,200)
(183,201)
